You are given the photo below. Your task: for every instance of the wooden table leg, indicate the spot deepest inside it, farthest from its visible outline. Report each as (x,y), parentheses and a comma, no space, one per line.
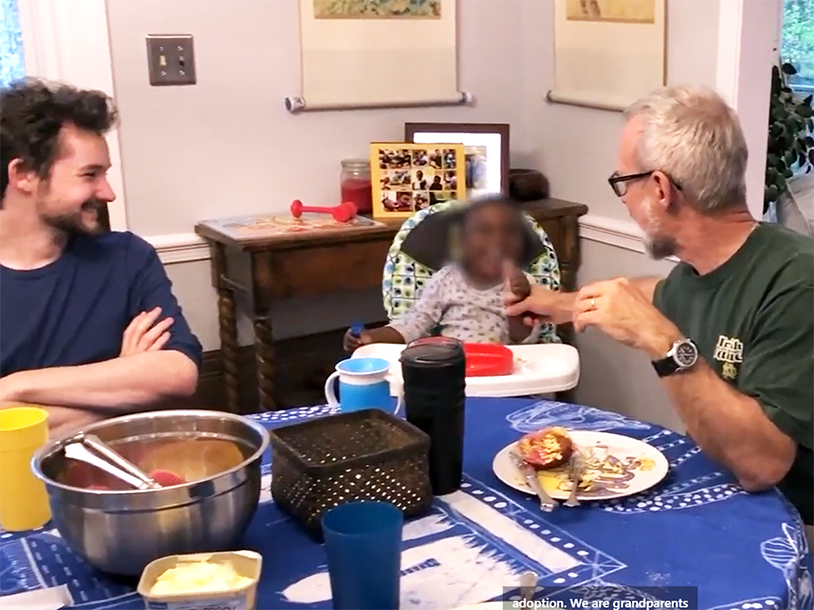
(264,353)
(227,327)
(229,348)
(263,332)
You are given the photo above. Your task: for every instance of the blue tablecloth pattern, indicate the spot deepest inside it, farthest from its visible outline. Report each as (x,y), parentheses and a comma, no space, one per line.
(697,528)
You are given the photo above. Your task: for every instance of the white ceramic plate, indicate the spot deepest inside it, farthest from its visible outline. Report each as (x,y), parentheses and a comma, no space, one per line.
(621,466)
(539,369)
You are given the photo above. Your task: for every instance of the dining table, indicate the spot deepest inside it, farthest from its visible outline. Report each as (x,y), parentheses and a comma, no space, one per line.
(696,533)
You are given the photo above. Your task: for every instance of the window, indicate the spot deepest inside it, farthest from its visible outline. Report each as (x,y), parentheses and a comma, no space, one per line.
(12,61)
(797,42)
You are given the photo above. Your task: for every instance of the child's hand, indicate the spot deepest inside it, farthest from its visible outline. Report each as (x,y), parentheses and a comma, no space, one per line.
(351,342)
(516,286)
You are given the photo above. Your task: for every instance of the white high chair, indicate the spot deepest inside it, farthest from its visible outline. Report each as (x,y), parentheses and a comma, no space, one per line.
(419,249)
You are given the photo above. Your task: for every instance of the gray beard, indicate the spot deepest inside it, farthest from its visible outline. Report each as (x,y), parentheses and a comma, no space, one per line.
(660,247)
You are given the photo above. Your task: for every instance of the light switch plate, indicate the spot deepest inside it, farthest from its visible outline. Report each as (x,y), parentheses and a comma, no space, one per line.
(171,59)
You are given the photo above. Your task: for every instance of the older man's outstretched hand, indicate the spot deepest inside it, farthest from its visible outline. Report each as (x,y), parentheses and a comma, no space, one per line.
(623,312)
(533,302)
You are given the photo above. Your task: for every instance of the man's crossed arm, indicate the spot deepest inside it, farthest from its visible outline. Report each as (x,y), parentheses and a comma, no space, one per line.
(110,387)
(143,376)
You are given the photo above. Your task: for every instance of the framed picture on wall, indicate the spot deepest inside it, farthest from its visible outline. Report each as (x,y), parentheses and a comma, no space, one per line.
(409,177)
(486,146)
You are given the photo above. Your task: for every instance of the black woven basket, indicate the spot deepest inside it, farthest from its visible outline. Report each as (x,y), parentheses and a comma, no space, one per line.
(363,455)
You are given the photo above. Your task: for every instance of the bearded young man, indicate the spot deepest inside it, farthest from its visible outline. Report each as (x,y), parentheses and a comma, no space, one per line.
(731,330)
(89,326)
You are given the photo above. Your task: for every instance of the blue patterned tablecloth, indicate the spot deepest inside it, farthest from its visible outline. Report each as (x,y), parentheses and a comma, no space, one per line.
(697,528)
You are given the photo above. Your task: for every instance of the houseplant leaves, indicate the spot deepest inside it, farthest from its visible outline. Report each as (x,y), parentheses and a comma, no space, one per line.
(791,145)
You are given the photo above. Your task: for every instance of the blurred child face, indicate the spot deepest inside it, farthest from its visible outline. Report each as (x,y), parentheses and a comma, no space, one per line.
(492,234)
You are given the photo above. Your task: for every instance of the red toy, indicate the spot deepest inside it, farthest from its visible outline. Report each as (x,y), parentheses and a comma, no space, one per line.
(343,212)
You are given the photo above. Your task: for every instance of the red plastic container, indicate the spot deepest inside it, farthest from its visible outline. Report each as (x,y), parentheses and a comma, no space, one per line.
(482,359)
(488,360)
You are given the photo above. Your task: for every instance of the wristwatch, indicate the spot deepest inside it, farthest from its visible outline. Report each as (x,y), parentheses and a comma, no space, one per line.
(682,356)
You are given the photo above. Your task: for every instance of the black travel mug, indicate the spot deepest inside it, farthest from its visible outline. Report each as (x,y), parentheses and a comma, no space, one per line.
(434,373)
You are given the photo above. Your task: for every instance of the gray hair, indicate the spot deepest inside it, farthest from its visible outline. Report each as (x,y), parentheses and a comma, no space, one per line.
(693,136)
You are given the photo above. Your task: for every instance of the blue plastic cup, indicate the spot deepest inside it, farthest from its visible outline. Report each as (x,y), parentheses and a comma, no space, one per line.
(363,543)
(363,384)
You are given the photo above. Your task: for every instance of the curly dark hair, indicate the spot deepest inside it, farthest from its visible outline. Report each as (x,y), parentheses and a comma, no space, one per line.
(32,113)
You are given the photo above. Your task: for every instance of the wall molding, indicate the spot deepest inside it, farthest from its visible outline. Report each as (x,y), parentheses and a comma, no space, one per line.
(179,248)
(624,234)
(612,231)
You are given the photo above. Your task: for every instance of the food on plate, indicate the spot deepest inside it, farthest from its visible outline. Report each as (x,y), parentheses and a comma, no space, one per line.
(546,448)
(645,463)
(199,577)
(605,473)
(610,472)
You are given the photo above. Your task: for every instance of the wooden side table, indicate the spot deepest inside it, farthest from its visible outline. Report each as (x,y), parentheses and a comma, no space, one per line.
(320,264)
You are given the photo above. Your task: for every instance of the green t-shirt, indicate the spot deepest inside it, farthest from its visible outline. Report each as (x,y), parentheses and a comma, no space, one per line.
(753,321)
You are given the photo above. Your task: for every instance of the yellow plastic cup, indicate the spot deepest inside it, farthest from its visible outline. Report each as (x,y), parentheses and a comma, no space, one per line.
(23,500)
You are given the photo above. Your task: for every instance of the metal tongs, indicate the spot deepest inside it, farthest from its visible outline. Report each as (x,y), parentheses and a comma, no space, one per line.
(91,450)
(547,503)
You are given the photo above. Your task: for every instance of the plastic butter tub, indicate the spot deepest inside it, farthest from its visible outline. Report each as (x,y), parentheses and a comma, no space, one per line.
(202,581)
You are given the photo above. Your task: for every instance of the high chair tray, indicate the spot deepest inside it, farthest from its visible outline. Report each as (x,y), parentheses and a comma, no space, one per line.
(538,369)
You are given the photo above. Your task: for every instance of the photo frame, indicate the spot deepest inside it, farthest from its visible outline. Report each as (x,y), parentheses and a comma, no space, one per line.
(408,177)
(486,146)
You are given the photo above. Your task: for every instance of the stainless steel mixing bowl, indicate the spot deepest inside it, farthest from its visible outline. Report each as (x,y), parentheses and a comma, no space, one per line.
(120,532)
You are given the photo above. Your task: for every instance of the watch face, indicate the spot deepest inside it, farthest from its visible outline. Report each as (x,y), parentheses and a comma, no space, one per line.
(686,354)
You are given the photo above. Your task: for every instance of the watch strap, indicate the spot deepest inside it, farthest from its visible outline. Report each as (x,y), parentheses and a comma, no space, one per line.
(666,366)
(672,362)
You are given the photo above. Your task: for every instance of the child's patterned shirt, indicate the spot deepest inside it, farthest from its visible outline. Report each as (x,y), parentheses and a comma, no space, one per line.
(450,306)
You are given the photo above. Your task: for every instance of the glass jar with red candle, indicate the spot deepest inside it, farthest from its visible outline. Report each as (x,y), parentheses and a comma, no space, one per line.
(355,184)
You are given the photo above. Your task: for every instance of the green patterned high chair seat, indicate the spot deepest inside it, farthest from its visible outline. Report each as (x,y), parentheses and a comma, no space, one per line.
(404,276)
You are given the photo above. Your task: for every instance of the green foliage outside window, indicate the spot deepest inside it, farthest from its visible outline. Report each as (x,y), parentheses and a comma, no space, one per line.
(791,117)
(797,41)
(791,146)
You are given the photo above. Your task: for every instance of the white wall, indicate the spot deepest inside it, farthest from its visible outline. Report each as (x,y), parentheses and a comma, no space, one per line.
(227,146)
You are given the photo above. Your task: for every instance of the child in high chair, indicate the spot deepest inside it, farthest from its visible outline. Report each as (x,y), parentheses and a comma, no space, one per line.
(464,299)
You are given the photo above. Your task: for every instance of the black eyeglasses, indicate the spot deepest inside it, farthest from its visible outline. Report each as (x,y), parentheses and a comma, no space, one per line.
(619,182)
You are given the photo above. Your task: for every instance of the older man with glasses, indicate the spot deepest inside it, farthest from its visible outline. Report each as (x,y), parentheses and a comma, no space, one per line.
(730,331)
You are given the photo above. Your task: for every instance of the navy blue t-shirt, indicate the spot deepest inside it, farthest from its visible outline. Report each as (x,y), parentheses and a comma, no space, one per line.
(74,311)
